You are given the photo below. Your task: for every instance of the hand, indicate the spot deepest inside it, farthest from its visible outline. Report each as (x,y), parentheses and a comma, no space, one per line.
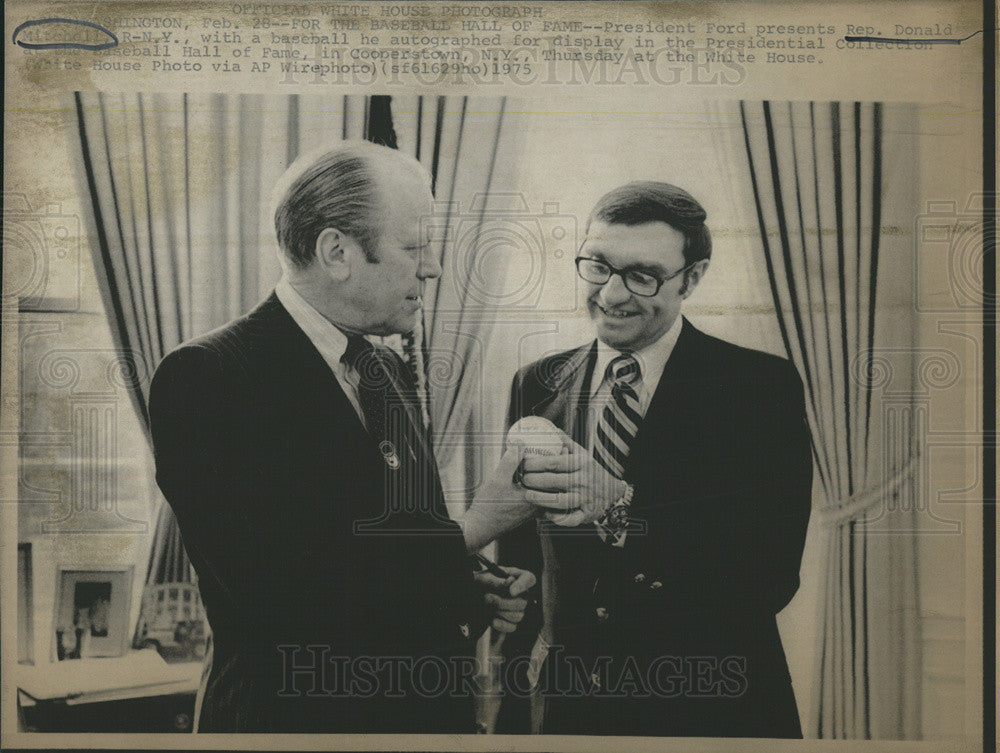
(574,487)
(504,595)
(499,505)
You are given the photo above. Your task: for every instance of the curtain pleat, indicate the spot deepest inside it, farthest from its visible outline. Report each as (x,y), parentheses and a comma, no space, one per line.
(460,140)
(817,178)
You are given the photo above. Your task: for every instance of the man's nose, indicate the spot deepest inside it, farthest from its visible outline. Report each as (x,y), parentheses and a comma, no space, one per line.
(614,291)
(429,268)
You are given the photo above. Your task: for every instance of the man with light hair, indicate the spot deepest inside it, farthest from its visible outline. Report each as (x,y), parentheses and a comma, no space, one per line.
(340,595)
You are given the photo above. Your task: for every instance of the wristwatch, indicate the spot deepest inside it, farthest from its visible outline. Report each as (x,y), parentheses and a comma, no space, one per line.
(616,516)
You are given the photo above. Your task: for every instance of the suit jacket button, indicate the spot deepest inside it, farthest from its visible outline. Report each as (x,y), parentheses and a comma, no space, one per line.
(639,577)
(655,584)
(602,614)
(464,629)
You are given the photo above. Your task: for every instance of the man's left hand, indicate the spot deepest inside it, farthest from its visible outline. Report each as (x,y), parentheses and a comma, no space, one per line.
(504,595)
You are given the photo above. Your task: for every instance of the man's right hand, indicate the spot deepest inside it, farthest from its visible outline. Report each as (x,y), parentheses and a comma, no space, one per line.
(572,487)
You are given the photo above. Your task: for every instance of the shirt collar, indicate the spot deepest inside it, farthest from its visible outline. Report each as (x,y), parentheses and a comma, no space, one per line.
(330,341)
(652,359)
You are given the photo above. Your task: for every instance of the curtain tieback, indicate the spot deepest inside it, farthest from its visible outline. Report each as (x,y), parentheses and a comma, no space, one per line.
(853,507)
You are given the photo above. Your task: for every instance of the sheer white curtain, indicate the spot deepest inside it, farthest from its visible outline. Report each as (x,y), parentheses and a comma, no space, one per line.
(174,197)
(470,147)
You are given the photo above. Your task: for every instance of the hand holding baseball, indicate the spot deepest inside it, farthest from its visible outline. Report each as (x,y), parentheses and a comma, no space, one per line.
(560,475)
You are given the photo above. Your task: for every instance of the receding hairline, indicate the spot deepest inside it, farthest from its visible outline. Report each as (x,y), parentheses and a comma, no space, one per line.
(367,185)
(376,157)
(385,171)
(645,223)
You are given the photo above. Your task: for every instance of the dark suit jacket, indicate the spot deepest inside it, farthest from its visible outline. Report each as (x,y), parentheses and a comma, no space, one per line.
(722,472)
(268,468)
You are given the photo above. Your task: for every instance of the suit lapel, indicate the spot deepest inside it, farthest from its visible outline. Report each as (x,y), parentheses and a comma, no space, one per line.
(566,401)
(303,378)
(660,428)
(298,356)
(305,363)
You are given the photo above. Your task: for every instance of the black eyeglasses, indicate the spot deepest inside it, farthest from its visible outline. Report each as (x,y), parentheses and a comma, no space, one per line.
(641,283)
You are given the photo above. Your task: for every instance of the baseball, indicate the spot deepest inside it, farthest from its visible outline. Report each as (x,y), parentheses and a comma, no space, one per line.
(537,436)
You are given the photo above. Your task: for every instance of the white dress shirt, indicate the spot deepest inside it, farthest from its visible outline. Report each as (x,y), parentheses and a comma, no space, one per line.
(652,360)
(329,340)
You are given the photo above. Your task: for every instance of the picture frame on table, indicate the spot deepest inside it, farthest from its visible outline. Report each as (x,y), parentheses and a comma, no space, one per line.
(92,611)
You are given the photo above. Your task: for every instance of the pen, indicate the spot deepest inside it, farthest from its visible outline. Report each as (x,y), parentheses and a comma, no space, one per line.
(494,569)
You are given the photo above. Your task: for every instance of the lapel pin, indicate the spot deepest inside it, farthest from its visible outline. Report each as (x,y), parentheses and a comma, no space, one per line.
(389,453)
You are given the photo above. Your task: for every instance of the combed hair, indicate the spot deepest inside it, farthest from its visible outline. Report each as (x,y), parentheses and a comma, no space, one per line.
(338,189)
(645,201)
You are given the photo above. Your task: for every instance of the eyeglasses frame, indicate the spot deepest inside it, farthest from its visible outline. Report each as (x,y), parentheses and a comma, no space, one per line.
(622,272)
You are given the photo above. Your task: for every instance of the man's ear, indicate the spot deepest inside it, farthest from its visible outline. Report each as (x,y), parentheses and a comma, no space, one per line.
(693,276)
(334,251)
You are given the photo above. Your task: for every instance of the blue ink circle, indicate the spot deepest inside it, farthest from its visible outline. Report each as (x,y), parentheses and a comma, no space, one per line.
(63,45)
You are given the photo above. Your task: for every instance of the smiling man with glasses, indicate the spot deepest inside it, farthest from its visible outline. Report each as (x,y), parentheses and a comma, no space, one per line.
(660,592)
(638,275)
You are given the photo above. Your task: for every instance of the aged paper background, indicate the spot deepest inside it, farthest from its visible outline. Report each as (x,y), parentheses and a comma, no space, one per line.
(683,64)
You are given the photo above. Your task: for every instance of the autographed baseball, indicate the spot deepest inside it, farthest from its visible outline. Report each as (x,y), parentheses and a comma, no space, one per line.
(538,436)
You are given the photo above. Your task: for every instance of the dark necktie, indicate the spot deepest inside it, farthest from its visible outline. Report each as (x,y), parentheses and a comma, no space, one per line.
(393,421)
(616,428)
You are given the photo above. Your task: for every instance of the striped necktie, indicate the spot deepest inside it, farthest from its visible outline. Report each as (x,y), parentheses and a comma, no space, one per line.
(616,428)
